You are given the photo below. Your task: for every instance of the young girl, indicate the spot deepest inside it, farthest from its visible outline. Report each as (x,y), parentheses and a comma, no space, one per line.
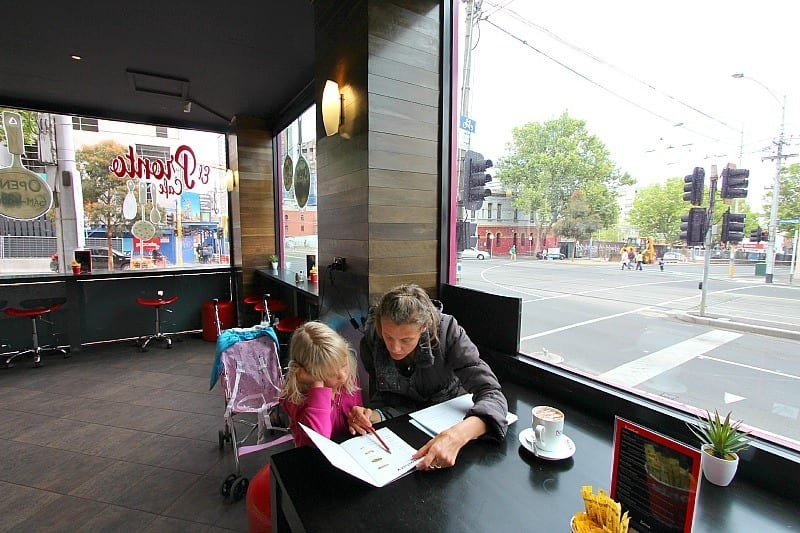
(319,390)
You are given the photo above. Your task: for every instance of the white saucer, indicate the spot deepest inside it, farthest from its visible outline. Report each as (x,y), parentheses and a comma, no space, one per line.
(564,451)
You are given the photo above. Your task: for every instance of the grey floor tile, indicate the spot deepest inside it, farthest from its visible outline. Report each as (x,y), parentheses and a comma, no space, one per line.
(198,426)
(20,503)
(165,524)
(64,513)
(157,491)
(113,519)
(110,484)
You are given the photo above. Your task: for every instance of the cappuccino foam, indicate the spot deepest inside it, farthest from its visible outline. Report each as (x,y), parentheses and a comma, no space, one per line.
(550,414)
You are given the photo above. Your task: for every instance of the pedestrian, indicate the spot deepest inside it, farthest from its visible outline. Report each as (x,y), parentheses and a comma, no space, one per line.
(639,260)
(416,356)
(631,258)
(661,263)
(513,252)
(623,258)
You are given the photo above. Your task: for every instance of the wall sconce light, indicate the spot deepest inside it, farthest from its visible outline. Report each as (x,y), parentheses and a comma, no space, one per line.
(332,108)
(231,179)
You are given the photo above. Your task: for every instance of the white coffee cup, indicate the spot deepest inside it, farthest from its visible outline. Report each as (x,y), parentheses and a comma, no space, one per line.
(548,426)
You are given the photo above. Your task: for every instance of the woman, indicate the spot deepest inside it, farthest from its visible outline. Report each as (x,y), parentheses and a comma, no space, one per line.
(417,356)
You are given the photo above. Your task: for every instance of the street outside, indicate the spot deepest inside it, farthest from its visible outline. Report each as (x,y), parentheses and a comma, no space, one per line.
(639,330)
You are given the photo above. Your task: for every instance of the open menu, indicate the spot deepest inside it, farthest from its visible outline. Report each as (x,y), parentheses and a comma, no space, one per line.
(655,478)
(436,418)
(364,457)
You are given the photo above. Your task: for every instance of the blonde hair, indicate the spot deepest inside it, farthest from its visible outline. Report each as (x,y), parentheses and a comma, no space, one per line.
(408,304)
(321,352)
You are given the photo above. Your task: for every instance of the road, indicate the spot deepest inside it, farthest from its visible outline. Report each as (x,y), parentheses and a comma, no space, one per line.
(626,327)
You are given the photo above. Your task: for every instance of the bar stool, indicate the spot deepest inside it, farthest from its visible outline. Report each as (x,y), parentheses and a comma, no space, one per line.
(284,329)
(267,306)
(35,313)
(157,304)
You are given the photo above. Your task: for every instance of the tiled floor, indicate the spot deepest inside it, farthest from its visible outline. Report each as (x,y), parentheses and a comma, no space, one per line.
(112,439)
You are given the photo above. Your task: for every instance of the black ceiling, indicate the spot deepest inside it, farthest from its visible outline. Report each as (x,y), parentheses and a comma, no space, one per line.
(247,58)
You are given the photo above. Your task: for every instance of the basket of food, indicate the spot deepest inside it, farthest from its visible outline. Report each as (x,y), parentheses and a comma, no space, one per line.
(601,515)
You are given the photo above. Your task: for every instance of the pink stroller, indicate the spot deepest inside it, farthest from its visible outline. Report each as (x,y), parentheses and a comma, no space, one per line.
(250,376)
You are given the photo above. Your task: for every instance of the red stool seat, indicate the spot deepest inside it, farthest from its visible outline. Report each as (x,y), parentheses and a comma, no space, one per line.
(289,324)
(37,351)
(157,304)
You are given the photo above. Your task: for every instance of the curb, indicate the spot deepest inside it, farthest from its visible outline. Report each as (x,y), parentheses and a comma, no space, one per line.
(734,323)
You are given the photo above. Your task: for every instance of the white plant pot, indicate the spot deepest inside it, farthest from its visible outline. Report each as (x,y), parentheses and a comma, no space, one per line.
(718,471)
(274,266)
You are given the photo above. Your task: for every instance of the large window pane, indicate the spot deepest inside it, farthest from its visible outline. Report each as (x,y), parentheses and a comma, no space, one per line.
(133,195)
(297,175)
(591,128)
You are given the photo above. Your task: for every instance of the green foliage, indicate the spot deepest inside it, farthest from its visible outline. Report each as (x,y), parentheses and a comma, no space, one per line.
(723,436)
(657,210)
(103,192)
(548,162)
(30,127)
(579,222)
(789,200)
(273,258)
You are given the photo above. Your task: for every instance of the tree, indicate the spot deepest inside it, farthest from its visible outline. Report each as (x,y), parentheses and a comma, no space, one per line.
(548,162)
(30,128)
(657,210)
(789,205)
(579,222)
(103,192)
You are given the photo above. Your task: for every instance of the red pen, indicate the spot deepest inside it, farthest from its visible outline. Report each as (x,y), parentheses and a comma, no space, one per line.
(372,430)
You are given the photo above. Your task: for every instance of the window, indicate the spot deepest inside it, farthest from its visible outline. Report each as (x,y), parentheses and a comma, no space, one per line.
(572,201)
(143,213)
(84,124)
(297,183)
(161,132)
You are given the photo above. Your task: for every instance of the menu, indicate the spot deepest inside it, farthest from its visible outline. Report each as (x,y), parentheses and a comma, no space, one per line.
(654,478)
(364,457)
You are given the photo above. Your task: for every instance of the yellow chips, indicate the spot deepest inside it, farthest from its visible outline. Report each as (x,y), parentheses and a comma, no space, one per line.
(603,515)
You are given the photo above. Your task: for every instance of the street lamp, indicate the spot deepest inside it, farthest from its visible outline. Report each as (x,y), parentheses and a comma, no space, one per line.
(491,238)
(776,186)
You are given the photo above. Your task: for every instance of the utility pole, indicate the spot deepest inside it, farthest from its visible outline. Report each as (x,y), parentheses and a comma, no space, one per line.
(776,191)
(707,240)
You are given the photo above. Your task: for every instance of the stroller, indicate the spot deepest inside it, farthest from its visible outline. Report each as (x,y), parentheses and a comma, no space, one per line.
(248,368)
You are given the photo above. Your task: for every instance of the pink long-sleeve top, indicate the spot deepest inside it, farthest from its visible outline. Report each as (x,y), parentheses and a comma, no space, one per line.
(321,412)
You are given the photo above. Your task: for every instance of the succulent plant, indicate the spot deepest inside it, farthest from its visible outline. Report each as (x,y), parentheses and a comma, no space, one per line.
(273,258)
(723,437)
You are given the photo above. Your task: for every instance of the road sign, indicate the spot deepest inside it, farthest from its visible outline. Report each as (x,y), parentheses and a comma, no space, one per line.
(466,123)
(789,221)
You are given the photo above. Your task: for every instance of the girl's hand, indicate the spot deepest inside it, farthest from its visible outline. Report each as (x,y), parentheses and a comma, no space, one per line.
(361,418)
(304,378)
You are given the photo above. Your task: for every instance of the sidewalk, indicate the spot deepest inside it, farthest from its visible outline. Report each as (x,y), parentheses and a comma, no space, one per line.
(783,330)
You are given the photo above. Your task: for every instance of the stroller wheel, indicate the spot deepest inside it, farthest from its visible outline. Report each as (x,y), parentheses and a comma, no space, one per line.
(225,488)
(222,439)
(239,488)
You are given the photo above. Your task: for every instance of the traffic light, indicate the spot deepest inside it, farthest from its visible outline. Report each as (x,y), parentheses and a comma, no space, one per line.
(475,180)
(694,185)
(734,183)
(732,227)
(755,234)
(693,226)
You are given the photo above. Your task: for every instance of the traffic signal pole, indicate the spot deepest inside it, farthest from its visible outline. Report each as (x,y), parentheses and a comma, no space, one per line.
(707,259)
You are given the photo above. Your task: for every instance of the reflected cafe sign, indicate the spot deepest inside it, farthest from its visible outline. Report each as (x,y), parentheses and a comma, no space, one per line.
(177,173)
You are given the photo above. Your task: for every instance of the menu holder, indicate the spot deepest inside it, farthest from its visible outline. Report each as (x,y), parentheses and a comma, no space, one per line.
(654,478)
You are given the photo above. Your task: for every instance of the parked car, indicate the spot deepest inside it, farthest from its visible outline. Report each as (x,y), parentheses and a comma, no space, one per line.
(556,255)
(100,260)
(673,257)
(472,253)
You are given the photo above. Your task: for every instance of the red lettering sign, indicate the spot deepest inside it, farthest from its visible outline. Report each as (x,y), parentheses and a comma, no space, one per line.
(183,165)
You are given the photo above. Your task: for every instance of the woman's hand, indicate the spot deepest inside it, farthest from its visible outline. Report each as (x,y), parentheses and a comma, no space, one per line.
(361,418)
(442,450)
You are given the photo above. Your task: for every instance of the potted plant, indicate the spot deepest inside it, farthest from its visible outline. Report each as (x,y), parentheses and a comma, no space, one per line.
(273,259)
(721,441)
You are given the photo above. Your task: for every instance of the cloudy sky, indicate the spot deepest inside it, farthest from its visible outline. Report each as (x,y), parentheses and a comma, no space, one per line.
(651,79)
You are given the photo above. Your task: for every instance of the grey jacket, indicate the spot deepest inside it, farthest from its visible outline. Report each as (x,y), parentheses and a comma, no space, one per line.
(454,368)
